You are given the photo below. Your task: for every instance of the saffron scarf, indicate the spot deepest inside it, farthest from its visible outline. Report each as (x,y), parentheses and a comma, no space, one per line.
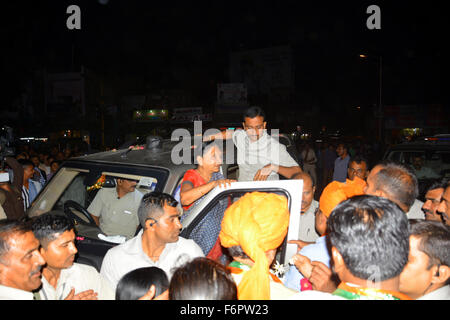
(257,222)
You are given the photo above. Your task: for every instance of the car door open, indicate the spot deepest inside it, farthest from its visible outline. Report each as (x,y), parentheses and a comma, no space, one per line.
(291,189)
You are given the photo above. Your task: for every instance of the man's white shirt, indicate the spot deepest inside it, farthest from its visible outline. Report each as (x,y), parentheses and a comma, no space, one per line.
(254,155)
(9,293)
(81,277)
(130,256)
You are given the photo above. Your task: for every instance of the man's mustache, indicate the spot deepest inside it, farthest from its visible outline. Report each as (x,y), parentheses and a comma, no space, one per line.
(36,271)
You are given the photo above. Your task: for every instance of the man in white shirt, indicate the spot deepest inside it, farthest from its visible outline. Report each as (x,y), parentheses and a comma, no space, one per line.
(158,244)
(259,156)
(20,261)
(62,278)
(115,209)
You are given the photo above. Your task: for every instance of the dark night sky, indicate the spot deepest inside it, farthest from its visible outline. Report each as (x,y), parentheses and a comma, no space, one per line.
(146,38)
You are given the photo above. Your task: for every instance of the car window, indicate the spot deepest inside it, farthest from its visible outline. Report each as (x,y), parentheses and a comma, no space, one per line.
(232,172)
(223,201)
(438,161)
(408,156)
(441,160)
(75,191)
(79,187)
(83,191)
(395,156)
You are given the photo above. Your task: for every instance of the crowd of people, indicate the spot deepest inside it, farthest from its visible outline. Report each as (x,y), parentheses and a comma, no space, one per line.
(26,174)
(366,237)
(327,160)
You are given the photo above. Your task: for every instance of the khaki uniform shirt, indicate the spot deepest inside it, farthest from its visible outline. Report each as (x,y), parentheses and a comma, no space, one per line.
(2,213)
(116,216)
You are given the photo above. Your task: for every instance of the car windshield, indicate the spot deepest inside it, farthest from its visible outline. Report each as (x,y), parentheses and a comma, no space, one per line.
(428,165)
(83,190)
(75,188)
(433,161)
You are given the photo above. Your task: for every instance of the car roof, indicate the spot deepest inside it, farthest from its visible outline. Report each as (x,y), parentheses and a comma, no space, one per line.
(422,145)
(136,156)
(143,156)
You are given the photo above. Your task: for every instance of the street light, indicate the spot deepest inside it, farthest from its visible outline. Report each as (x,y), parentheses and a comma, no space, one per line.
(380,77)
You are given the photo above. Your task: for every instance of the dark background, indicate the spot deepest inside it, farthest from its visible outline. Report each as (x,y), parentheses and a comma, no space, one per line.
(148,46)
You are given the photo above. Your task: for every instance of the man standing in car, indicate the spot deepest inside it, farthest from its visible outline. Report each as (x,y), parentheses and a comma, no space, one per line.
(114,210)
(259,155)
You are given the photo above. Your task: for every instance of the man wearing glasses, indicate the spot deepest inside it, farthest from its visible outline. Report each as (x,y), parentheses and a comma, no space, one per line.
(260,156)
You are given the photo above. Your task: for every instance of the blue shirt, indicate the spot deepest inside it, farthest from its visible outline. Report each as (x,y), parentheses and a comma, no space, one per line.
(315,252)
(340,168)
(31,193)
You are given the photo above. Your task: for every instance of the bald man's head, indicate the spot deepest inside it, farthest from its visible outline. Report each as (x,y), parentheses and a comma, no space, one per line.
(395,182)
(305,177)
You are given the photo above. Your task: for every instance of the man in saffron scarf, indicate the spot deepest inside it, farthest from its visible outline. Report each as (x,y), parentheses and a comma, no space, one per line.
(252,229)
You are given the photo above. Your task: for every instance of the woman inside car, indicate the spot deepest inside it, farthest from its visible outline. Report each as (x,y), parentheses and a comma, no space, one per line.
(196,183)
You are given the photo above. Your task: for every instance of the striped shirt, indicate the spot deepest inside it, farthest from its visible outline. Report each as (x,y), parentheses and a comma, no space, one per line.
(31,193)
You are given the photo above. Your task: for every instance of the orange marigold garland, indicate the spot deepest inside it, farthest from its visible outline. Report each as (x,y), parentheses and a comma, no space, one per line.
(97,184)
